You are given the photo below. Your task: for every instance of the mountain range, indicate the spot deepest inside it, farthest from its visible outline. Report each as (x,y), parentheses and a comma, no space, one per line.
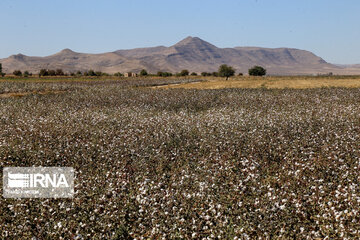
(191,53)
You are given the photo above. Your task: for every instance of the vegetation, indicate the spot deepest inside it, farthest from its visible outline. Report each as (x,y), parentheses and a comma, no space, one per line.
(118,74)
(204,74)
(257,71)
(1,72)
(182,164)
(17,73)
(226,71)
(143,73)
(184,72)
(164,74)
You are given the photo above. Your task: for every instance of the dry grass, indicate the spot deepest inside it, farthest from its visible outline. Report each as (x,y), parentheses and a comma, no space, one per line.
(272,82)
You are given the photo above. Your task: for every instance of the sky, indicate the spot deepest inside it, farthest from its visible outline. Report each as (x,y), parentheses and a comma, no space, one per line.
(328,28)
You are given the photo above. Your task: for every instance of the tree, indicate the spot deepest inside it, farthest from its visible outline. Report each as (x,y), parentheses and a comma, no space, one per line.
(1,73)
(184,72)
(51,72)
(193,74)
(43,72)
(226,71)
(143,72)
(17,73)
(26,74)
(59,72)
(118,74)
(257,71)
(91,73)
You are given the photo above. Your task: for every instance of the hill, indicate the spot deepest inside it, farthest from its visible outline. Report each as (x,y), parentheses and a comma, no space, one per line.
(191,53)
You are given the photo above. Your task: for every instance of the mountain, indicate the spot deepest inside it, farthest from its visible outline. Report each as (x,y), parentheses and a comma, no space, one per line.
(191,53)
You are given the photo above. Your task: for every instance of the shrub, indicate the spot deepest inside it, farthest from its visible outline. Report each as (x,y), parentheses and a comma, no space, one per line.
(184,72)
(17,73)
(143,72)
(193,74)
(59,72)
(43,72)
(257,71)
(215,74)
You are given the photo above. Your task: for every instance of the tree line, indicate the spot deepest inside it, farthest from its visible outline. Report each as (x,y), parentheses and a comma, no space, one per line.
(223,71)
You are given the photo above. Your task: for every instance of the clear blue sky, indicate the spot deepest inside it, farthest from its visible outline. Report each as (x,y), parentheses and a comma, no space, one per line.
(329,28)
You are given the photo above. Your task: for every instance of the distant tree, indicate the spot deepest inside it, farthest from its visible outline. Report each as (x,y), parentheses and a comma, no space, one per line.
(98,73)
(215,74)
(164,74)
(59,72)
(257,71)
(27,74)
(184,72)
(118,74)
(91,73)
(79,73)
(240,74)
(143,72)
(17,73)
(52,72)
(226,71)
(1,73)
(43,72)
(193,74)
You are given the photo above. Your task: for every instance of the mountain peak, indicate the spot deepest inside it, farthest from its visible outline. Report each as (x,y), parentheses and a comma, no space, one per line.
(66,51)
(192,41)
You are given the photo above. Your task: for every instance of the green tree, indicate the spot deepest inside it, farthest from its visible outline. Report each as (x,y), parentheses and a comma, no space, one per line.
(257,71)
(184,72)
(52,72)
(143,72)
(91,73)
(17,73)
(1,73)
(26,74)
(59,72)
(43,72)
(226,71)
(193,74)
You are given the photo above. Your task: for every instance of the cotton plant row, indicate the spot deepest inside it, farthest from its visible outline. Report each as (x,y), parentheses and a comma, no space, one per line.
(187,164)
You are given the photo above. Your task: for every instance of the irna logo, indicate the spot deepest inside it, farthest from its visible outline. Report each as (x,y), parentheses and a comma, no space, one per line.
(38,182)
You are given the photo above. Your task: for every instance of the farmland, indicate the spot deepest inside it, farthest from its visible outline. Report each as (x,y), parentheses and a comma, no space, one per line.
(154,161)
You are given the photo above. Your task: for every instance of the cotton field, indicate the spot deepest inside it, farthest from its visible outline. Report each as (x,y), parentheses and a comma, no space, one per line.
(185,164)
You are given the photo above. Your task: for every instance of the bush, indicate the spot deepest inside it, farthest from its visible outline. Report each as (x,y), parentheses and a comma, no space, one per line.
(27,74)
(193,74)
(257,71)
(59,72)
(17,73)
(164,74)
(143,72)
(91,73)
(215,74)
(184,72)
(118,74)
(43,72)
